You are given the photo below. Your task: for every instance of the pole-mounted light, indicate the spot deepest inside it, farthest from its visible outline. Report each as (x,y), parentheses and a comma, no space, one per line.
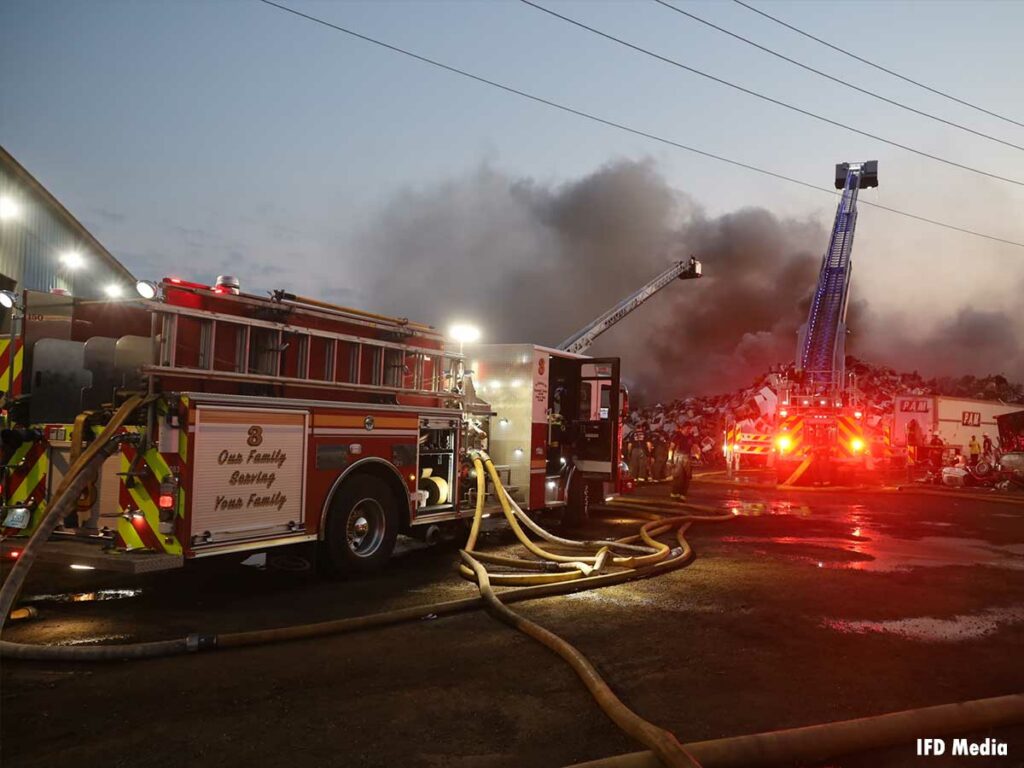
(464,333)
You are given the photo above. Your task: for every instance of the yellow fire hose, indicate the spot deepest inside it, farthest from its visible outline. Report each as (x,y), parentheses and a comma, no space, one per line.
(663,743)
(584,572)
(817,743)
(545,583)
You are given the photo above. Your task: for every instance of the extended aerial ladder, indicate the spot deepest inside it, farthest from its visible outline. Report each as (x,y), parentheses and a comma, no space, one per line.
(819,424)
(821,347)
(582,339)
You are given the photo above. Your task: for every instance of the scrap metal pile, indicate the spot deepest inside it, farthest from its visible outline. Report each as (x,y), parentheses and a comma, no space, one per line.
(752,408)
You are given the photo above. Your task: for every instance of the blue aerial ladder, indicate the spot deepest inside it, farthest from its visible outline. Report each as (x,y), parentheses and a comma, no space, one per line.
(820,428)
(821,345)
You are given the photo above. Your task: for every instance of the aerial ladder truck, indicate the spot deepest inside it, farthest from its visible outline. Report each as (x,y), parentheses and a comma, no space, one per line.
(820,432)
(220,422)
(556,428)
(583,338)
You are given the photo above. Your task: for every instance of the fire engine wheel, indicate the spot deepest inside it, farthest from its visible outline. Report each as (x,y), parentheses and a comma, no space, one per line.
(362,525)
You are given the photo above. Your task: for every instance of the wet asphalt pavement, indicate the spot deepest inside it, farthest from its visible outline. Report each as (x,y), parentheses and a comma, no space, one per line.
(806,608)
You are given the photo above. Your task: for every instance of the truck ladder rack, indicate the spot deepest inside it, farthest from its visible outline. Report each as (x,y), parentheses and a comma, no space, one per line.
(222,347)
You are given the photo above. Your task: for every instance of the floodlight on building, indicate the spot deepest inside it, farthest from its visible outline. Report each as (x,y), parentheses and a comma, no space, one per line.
(72,260)
(9,208)
(113,291)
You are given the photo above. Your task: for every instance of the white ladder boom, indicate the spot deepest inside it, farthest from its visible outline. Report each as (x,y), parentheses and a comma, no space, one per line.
(582,339)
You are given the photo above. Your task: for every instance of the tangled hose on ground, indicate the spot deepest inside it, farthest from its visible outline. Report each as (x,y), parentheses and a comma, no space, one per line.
(565,568)
(599,555)
(582,575)
(822,741)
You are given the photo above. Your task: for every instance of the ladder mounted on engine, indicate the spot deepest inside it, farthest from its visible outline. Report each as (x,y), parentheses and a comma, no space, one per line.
(821,345)
(582,339)
(209,335)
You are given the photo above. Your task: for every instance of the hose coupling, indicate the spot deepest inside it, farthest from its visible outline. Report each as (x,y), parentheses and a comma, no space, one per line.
(196,643)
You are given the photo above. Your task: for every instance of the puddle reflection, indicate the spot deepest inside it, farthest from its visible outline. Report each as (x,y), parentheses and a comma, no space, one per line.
(84,597)
(958,628)
(878,552)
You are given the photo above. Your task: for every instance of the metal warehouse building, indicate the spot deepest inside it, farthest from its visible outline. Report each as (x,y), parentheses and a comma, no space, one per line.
(45,248)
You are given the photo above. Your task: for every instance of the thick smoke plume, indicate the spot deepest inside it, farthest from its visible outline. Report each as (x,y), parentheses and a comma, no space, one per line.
(534,262)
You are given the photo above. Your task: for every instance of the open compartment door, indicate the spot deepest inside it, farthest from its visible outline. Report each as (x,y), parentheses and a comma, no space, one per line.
(595,416)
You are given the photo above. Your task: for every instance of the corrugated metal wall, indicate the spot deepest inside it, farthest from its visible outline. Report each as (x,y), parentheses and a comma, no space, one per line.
(32,240)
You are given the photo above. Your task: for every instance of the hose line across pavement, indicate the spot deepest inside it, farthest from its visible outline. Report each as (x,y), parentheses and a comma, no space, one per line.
(588,565)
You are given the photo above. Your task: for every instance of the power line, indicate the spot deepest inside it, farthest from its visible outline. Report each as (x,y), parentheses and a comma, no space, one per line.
(763,97)
(834,79)
(621,126)
(878,66)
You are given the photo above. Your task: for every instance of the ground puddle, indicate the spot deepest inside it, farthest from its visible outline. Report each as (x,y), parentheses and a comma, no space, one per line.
(928,629)
(870,550)
(84,597)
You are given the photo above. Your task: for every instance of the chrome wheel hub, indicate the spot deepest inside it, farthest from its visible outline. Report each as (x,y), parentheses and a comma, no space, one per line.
(364,531)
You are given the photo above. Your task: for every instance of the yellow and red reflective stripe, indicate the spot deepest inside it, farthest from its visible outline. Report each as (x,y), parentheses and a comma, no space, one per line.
(5,364)
(26,481)
(753,443)
(142,529)
(792,427)
(849,429)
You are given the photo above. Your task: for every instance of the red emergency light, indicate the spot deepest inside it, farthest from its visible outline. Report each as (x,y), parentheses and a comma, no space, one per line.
(185,283)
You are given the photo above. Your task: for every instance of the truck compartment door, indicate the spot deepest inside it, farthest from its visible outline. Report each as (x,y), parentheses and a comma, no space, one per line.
(596,416)
(249,474)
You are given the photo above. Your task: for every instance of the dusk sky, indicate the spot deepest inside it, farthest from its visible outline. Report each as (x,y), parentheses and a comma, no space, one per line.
(198,138)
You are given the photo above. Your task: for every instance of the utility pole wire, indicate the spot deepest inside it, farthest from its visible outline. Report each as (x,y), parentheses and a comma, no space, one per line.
(770,99)
(834,79)
(622,126)
(845,52)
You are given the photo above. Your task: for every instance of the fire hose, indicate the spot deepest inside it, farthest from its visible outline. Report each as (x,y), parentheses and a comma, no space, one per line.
(568,567)
(584,567)
(82,470)
(552,574)
(819,743)
(575,574)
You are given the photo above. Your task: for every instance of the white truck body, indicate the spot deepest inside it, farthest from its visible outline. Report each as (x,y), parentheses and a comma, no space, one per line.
(954,419)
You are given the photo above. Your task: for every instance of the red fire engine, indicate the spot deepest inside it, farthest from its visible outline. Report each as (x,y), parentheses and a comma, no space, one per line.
(282,420)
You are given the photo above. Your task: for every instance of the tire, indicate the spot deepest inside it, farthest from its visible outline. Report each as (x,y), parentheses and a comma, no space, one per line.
(362,525)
